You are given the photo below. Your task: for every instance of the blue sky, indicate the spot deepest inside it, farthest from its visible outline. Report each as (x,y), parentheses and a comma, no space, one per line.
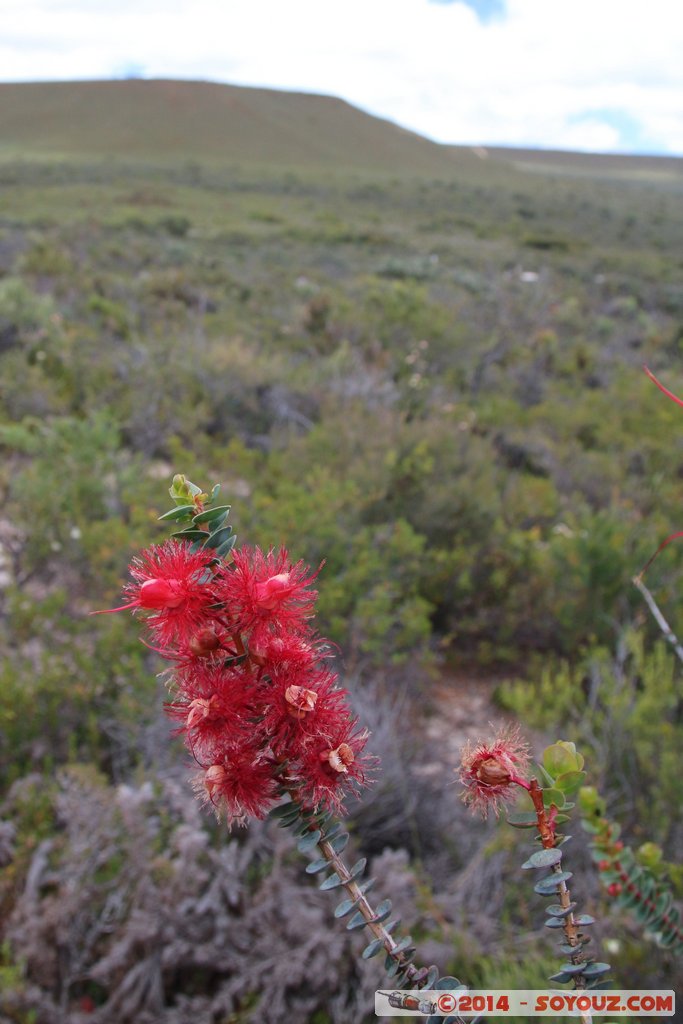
(603,75)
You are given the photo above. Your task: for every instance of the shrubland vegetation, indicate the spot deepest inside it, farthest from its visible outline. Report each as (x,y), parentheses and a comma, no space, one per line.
(432,383)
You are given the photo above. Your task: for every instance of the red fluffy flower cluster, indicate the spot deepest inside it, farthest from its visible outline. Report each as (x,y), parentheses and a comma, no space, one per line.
(257,706)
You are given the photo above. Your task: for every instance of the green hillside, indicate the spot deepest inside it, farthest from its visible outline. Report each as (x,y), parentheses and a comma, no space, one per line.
(202,120)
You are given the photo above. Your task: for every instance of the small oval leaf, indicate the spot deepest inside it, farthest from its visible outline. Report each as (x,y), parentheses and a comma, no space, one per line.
(372,949)
(333,882)
(359,867)
(176,513)
(344,908)
(308,841)
(595,970)
(211,513)
(317,865)
(545,858)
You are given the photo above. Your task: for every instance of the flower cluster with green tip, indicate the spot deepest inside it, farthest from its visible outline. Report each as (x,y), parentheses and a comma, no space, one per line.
(258,708)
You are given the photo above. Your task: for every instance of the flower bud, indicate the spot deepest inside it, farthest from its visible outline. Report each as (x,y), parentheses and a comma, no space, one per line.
(272,591)
(157,593)
(204,642)
(614,889)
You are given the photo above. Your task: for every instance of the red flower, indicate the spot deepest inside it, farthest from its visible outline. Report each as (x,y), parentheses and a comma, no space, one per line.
(216,706)
(240,785)
(269,647)
(175,583)
(300,708)
(490,770)
(260,589)
(328,771)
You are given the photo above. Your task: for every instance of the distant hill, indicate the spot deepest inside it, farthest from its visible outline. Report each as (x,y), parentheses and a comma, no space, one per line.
(201,120)
(574,164)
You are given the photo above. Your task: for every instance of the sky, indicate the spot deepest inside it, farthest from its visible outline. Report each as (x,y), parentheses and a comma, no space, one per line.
(599,75)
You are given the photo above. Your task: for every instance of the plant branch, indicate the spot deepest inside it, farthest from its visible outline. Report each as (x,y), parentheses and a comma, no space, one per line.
(569,925)
(666,629)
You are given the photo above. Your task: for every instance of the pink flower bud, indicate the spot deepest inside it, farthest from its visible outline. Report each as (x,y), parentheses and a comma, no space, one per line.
(272,591)
(159,593)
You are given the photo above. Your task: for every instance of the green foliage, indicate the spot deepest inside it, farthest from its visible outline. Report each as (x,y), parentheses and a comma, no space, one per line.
(623,710)
(637,881)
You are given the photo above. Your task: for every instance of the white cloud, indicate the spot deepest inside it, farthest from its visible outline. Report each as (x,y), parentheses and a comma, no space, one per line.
(535,77)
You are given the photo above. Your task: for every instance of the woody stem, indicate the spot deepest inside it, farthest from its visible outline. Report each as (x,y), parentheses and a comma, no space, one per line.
(571,931)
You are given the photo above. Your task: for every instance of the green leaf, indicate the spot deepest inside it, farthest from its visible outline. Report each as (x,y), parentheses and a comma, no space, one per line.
(569,782)
(553,796)
(190,534)
(595,970)
(554,922)
(227,546)
(357,921)
(333,882)
(432,977)
(339,842)
(548,885)
(214,540)
(283,810)
(211,513)
(382,912)
(543,858)
(525,819)
(561,757)
(372,949)
(556,910)
(572,969)
(561,977)
(176,513)
(583,920)
(359,867)
(545,777)
(344,908)
(403,945)
(287,822)
(316,865)
(390,965)
(308,842)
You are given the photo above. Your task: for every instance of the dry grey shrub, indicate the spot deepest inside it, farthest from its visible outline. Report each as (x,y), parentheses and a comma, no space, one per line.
(414,803)
(140,908)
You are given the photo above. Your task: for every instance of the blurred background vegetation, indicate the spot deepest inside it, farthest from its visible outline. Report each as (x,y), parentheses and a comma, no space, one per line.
(425,371)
